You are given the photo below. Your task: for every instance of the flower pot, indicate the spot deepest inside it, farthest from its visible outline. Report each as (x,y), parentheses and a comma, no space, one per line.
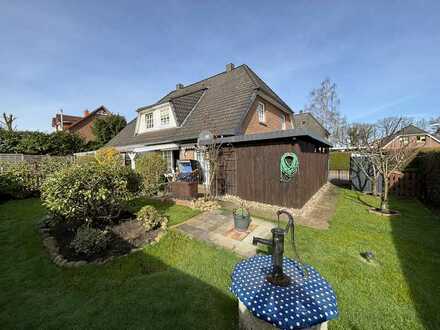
(241,220)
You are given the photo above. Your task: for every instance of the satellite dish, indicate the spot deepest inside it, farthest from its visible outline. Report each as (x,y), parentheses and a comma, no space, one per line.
(205,137)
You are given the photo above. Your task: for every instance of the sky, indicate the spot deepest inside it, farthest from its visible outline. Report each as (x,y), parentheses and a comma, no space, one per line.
(76,55)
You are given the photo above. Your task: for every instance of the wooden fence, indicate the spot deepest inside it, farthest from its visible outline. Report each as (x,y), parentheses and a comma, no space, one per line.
(28,158)
(405,184)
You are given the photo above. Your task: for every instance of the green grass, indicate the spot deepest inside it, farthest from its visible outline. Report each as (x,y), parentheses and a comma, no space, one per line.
(183,284)
(175,213)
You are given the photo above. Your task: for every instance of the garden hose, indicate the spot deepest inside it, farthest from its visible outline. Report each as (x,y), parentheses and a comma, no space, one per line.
(289,165)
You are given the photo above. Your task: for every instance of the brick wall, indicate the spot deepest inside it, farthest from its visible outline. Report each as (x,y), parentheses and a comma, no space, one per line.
(412,140)
(273,120)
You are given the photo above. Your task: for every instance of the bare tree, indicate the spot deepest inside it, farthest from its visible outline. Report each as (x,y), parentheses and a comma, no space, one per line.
(390,159)
(434,124)
(8,121)
(324,105)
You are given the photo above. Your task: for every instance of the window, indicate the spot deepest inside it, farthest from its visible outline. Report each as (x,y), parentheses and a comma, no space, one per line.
(421,138)
(149,123)
(261,112)
(404,140)
(283,120)
(167,155)
(164,118)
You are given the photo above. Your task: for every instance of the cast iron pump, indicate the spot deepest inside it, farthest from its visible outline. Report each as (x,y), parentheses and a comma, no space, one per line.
(277,277)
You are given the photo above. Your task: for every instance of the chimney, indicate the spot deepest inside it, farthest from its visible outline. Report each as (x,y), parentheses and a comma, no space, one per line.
(179,86)
(229,67)
(86,113)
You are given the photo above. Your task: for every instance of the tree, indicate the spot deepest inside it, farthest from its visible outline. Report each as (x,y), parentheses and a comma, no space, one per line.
(434,124)
(387,160)
(107,128)
(8,121)
(324,105)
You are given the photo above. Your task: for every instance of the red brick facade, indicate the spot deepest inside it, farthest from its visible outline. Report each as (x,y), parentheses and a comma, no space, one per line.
(273,119)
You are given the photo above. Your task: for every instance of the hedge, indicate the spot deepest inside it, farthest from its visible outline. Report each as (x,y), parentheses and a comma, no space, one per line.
(339,161)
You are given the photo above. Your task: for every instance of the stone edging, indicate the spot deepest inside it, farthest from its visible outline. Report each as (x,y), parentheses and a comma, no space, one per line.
(51,246)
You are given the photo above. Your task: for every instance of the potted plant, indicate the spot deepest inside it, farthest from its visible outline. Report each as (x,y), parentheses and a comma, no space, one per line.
(242,218)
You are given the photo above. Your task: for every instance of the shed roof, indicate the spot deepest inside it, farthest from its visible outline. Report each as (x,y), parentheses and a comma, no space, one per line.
(288,133)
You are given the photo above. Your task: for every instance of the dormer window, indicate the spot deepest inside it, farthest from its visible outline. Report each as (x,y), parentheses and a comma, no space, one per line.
(149,121)
(261,112)
(164,117)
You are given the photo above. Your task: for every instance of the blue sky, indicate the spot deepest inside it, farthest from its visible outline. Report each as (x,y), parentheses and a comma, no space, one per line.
(383,55)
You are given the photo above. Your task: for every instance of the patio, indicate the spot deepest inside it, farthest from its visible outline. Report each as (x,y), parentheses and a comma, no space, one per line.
(217,227)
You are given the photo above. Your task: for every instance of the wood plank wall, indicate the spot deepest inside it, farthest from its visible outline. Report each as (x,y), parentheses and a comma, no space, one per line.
(252,172)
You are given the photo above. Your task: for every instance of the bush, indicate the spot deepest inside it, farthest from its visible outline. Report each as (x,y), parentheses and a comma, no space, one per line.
(151,218)
(108,155)
(89,192)
(18,180)
(50,165)
(339,161)
(152,167)
(108,127)
(89,241)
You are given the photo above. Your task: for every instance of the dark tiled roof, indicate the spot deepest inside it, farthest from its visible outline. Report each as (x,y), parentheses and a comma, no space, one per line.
(66,118)
(184,104)
(220,103)
(408,130)
(86,119)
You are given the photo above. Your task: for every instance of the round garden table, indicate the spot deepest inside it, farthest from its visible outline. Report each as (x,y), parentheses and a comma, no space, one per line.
(309,301)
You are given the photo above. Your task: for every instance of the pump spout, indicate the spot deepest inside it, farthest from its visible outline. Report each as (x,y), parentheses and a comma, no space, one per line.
(257,240)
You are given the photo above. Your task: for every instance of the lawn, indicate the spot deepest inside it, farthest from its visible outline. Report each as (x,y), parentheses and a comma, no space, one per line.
(183,284)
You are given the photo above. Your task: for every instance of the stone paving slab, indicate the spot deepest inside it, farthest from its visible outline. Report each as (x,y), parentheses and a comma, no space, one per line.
(214,227)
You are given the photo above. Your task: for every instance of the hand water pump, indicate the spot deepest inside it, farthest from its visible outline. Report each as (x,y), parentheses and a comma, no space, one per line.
(277,276)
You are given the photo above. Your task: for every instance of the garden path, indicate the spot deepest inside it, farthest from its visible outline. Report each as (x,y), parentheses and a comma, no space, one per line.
(217,227)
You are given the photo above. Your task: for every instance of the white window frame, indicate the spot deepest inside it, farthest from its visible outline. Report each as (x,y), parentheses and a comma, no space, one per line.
(261,112)
(165,117)
(147,122)
(167,155)
(283,120)
(421,138)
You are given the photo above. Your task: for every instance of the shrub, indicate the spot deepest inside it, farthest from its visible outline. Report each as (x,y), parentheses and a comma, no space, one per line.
(18,180)
(152,167)
(88,193)
(339,161)
(108,155)
(50,165)
(151,218)
(108,127)
(89,241)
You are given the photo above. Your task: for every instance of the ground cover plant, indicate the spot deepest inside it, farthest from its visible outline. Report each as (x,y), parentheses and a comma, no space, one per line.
(182,283)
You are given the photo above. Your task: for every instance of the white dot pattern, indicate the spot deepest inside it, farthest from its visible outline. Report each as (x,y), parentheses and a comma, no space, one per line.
(307,301)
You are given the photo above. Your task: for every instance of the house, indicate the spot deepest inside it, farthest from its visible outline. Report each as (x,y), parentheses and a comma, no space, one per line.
(307,121)
(234,104)
(413,137)
(80,125)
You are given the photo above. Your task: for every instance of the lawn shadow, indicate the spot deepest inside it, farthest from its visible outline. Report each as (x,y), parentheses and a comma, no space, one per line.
(360,199)
(164,297)
(415,236)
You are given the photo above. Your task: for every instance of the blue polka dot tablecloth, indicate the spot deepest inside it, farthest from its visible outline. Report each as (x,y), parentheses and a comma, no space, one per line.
(307,301)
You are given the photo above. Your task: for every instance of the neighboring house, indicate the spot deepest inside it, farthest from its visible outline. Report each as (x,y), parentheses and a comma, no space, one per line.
(413,137)
(80,125)
(235,102)
(307,121)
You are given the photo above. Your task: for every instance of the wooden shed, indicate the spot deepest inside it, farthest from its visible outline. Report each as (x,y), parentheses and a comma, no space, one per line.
(249,167)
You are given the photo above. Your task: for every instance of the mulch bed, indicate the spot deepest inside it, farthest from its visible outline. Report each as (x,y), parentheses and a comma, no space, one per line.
(126,234)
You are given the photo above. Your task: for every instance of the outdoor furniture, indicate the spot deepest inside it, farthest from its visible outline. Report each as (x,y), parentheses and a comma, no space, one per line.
(307,302)
(184,190)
